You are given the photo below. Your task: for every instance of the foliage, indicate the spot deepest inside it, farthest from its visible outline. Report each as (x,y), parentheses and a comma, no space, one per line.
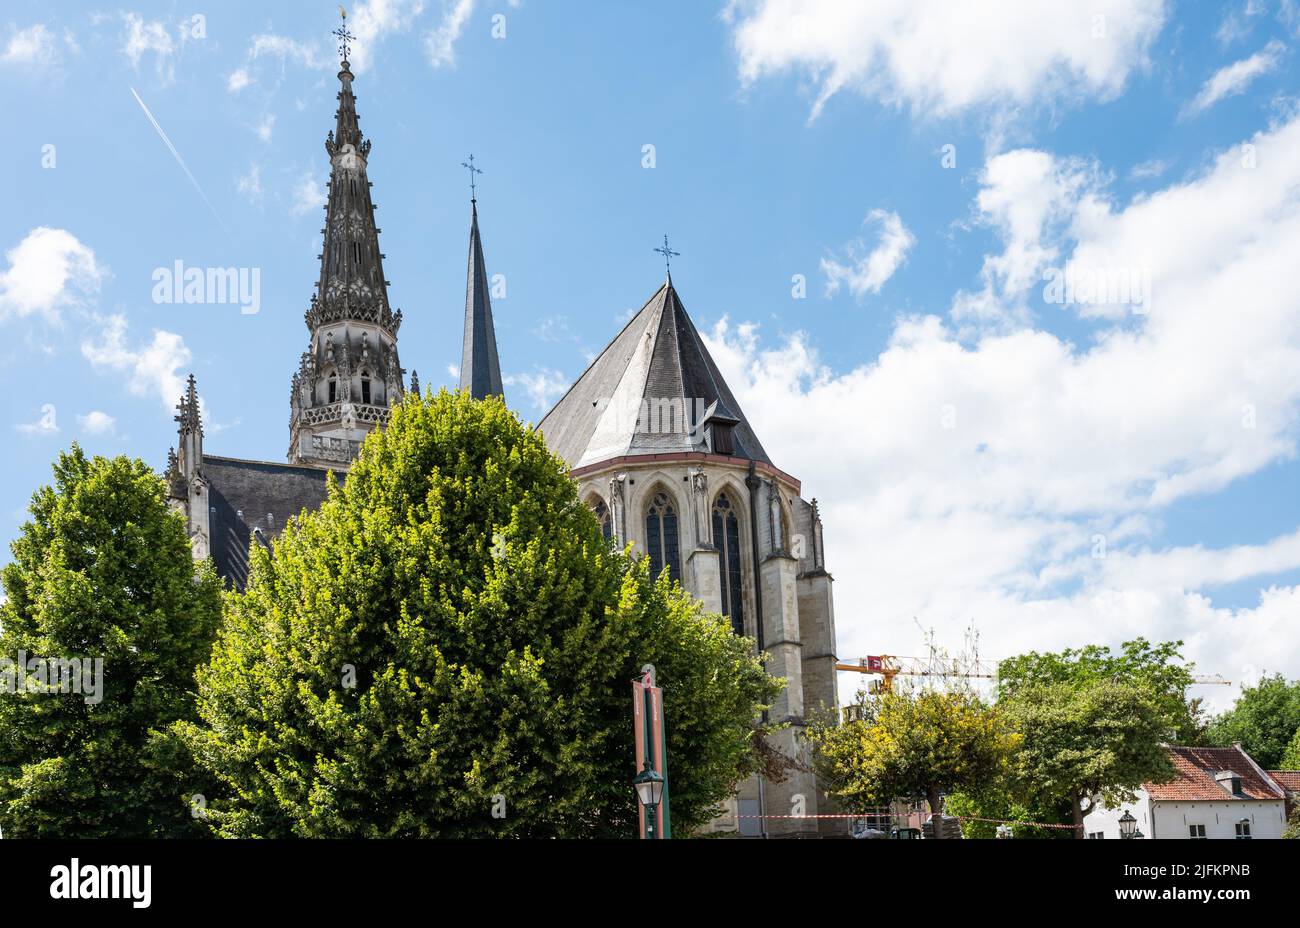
(1291,756)
(1292,829)
(445,649)
(1264,719)
(1159,668)
(999,802)
(1085,742)
(103,569)
(907,745)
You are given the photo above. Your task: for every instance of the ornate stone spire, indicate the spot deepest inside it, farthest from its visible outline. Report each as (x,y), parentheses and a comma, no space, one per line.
(480,371)
(350,375)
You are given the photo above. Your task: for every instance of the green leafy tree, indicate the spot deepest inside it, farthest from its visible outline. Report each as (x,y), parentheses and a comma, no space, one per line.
(1264,719)
(905,745)
(103,570)
(1291,756)
(999,803)
(1292,829)
(1086,742)
(1159,668)
(445,649)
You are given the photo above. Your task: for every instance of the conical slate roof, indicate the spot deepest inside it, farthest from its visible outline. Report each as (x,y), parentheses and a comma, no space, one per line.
(480,371)
(653,390)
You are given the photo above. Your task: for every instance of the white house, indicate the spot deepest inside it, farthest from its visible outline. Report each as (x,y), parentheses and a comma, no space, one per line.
(1215,793)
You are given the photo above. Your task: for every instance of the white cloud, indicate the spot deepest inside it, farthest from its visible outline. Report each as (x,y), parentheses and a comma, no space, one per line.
(1150,170)
(307,195)
(940,57)
(970,479)
(238,80)
(152,368)
(440,43)
(1030,198)
(250,184)
(866,271)
(1235,78)
(34,46)
(97,423)
(269,45)
(265,127)
(48,270)
(543,386)
(372,21)
(45,424)
(149,37)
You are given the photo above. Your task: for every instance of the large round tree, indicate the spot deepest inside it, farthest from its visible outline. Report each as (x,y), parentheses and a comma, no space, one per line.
(101,572)
(445,649)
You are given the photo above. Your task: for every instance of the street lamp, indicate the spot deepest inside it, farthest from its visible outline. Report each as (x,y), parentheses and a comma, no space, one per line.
(649,789)
(1127,825)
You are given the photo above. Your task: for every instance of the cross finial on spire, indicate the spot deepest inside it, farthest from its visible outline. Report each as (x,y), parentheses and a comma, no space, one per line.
(473,189)
(344,36)
(668,254)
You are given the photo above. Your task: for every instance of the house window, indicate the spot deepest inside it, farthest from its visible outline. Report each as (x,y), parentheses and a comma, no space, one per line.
(661,539)
(1196,832)
(365,387)
(334,388)
(726,535)
(1096,835)
(1243,831)
(604,518)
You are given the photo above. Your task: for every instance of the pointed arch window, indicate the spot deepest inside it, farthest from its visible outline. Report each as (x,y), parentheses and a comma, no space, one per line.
(604,517)
(661,537)
(726,536)
(334,389)
(365,387)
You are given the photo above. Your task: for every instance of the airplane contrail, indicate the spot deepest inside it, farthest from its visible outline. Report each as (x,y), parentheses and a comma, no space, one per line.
(179,160)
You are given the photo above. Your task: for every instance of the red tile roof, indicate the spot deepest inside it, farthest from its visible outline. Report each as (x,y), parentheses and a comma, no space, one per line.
(1194,778)
(1289,780)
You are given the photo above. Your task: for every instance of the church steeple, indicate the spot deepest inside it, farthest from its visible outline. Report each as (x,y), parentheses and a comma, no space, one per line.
(480,371)
(350,375)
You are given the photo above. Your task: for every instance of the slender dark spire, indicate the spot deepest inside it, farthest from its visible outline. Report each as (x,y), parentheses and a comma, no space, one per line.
(480,372)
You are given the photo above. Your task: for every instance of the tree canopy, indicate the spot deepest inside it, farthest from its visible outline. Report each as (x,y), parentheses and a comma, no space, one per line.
(1264,719)
(102,571)
(1087,742)
(905,745)
(1291,756)
(445,649)
(1158,668)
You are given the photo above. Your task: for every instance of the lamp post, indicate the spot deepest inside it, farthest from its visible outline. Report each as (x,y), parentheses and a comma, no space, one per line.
(650,790)
(1128,825)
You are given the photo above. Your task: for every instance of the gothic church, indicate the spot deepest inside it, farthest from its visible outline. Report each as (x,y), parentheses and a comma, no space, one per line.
(659,446)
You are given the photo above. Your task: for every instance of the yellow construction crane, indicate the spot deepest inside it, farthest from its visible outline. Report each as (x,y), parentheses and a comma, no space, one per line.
(888,666)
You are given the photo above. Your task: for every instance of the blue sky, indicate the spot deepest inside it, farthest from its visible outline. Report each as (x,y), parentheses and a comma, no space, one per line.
(925,171)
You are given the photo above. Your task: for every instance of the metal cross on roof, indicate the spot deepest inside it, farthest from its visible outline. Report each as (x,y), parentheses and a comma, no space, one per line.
(668,254)
(344,36)
(473,190)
